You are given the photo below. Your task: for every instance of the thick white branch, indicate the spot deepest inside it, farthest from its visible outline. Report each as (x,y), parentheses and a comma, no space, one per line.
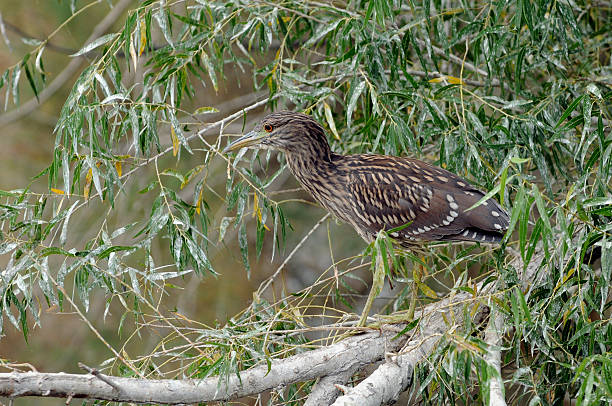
(347,355)
(393,377)
(493,338)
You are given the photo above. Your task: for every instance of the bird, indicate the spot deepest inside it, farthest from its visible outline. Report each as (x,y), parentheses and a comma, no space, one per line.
(413,200)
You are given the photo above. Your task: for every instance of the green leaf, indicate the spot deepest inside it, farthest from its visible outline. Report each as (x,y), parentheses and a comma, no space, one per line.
(104,39)
(568,111)
(244,248)
(31,80)
(597,201)
(15,84)
(206,110)
(502,185)
(178,130)
(356,90)
(330,120)
(489,194)
(162,18)
(211,70)
(105,253)
(541,208)
(517,160)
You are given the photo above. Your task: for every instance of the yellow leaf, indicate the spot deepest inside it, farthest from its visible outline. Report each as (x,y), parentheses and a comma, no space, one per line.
(118,168)
(330,120)
(569,274)
(199,202)
(255,205)
(143,37)
(452,11)
(175,142)
(180,316)
(257,211)
(455,81)
(451,79)
(445,318)
(133,55)
(87,187)
(52,309)
(427,291)
(57,191)
(270,83)
(206,109)
(566,315)
(192,174)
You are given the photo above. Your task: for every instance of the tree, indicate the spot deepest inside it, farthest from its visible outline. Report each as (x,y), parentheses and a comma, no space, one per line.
(514,96)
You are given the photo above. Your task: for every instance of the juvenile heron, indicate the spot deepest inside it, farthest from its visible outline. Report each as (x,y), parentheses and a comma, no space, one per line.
(376,192)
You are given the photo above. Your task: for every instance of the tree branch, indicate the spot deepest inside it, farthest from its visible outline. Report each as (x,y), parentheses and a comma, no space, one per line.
(493,338)
(326,390)
(347,355)
(59,81)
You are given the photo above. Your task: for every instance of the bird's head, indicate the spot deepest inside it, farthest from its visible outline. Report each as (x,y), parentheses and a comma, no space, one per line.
(286,131)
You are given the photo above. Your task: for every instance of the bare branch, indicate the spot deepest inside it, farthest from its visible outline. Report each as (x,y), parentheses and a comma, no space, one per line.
(336,363)
(493,338)
(100,376)
(347,355)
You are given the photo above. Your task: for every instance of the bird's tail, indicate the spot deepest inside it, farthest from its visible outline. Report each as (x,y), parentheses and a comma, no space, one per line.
(477,235)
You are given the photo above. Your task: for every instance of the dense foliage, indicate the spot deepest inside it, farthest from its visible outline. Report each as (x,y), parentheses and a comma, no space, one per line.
(512,95)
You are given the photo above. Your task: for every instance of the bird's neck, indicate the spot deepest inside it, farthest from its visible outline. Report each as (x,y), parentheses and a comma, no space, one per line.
(309,153)
(307,165)
(324,178)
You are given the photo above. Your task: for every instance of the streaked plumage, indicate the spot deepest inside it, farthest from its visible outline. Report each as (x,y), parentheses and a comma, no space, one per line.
(374,192)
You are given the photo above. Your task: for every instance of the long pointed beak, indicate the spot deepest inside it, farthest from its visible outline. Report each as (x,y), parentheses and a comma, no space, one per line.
(251,138)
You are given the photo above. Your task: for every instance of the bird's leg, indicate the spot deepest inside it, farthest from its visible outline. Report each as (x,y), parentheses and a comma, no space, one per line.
(407,315)
(378,281)
(416,278)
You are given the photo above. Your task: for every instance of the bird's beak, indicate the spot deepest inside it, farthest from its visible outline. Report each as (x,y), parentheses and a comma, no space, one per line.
(247,140)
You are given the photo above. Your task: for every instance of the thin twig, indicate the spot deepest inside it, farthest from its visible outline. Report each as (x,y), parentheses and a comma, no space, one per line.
(48,44)
(267,282)
(100,376)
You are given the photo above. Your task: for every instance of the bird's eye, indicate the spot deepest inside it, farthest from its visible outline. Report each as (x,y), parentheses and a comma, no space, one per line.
(268,128)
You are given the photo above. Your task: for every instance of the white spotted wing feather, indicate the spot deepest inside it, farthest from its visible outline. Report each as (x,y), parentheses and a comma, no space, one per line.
(390,192)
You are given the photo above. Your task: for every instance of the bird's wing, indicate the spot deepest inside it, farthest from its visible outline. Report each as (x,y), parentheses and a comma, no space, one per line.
(431,200)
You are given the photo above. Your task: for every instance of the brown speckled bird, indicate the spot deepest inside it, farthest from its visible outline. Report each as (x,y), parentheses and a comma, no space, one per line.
(374,192)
